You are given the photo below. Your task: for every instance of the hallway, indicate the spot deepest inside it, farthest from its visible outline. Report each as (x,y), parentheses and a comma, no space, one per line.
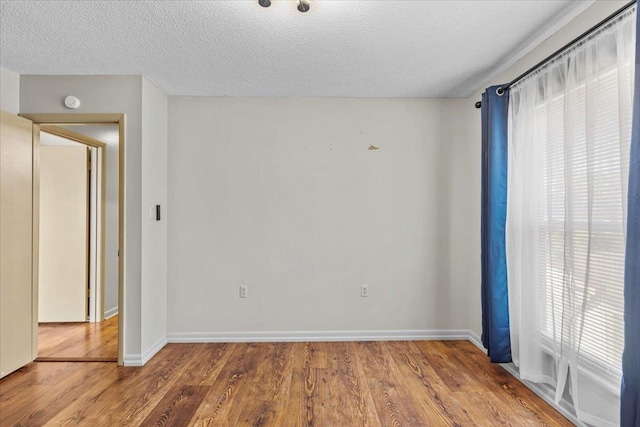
(78,341)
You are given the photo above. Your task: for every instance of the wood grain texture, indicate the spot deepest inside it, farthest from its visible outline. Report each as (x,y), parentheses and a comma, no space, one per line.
(78,341)
(422,383)
(176,407)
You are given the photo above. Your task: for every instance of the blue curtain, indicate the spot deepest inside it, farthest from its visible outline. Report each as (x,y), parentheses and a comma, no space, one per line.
(495,298)
(630,396)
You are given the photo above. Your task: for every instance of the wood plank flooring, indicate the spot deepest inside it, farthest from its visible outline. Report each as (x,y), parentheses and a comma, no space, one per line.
(404,383)
(78,341)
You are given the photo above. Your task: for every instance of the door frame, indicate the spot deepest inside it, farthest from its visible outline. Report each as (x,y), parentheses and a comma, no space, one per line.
(48,120)
(98,246)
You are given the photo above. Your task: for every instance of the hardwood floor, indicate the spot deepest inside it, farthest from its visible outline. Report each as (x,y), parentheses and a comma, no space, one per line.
(78,341)
(415,383)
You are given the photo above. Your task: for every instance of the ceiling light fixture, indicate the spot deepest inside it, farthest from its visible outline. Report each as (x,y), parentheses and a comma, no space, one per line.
(303,5)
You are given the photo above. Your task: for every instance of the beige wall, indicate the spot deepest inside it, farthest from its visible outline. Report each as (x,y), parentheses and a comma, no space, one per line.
(16,225)
(9,91)
(283,196)
(63,257)
(594,14)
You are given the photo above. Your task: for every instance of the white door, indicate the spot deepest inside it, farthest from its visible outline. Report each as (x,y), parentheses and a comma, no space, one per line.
(16,240)
(64,234)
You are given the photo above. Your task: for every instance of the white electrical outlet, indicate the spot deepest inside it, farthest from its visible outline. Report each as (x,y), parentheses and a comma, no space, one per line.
(243,291)
(364,290)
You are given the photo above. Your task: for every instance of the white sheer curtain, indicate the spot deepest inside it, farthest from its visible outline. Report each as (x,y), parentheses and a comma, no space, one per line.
(570,128)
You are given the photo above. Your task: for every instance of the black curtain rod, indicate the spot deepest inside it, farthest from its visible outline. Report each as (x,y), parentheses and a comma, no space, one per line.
(581,37)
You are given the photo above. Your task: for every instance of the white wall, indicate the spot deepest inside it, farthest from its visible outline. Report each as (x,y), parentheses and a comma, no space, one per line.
(154,233)
(283,196)
(9,91)
(594,14)
(106,94)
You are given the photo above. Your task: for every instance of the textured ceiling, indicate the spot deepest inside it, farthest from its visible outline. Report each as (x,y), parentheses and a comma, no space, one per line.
(340,48)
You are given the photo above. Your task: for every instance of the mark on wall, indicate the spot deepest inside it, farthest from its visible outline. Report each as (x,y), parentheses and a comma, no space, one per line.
(373,147)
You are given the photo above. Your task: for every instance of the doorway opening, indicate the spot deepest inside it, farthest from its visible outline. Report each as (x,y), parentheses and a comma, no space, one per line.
(75,273)
(78,224)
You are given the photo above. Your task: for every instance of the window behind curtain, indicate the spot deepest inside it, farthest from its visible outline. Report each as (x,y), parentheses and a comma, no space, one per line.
(569,135)
(601,338)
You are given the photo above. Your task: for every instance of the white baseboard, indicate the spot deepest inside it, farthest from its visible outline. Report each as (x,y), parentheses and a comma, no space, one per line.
(111,312)
(142,359)
(546,393)
(288,336)
(306,336)
(132,360)
(477,341)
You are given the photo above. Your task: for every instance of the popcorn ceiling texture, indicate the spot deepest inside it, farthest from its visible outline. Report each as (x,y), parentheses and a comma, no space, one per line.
(345,48)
